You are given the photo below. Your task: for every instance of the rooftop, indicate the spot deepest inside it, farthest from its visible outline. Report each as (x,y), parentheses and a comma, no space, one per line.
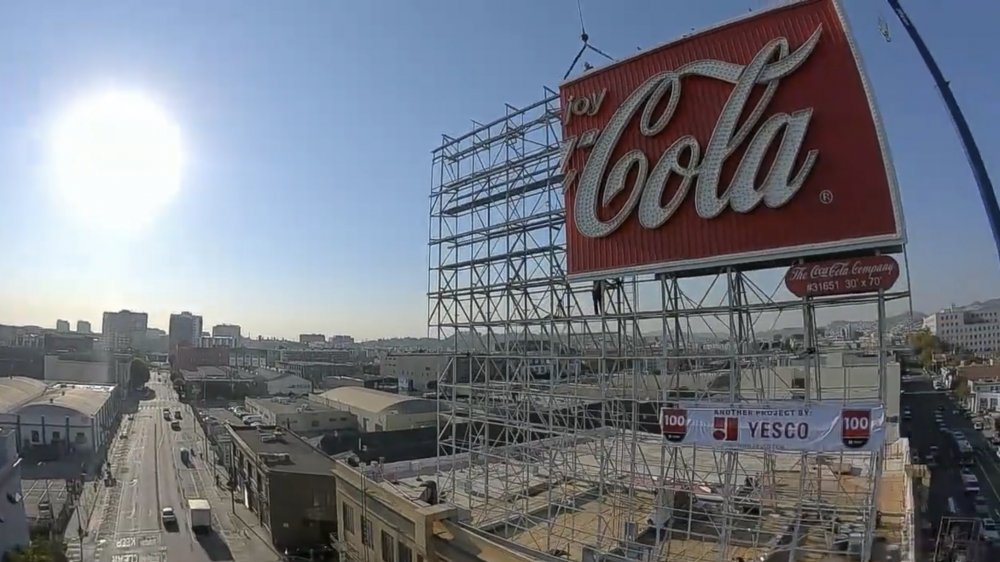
(377,401)
(17,391)
(316,363)
(522,477)
(289,405)
(87,399)
(302,457)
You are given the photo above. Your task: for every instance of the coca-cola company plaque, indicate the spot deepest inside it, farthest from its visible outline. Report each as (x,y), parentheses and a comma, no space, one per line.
(842,277)
(755,142)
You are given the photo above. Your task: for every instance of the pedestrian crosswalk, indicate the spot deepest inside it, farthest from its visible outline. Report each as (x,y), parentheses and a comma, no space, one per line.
(74,551)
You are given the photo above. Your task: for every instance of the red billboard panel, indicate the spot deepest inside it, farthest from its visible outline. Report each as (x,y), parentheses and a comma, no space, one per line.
(842,277)
(754,142)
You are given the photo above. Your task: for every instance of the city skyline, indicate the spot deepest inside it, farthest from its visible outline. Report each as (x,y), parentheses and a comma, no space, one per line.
(260,235)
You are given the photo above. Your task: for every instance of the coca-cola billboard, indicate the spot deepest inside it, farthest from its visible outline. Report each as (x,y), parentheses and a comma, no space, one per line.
(755,142)
(842,276)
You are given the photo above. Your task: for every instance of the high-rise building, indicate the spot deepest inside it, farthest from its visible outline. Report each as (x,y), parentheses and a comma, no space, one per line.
(82,327)
(62,326)
(121,329)
(185,330)
(228,331)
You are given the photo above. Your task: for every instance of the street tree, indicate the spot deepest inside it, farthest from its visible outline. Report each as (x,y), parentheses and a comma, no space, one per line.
(138,374)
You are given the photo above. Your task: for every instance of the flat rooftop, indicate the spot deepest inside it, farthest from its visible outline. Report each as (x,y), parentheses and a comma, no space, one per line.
(566,494)
(302,457)
(290,405)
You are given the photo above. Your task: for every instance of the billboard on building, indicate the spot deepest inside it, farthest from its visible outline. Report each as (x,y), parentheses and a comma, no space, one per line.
(818,426)
(753,142)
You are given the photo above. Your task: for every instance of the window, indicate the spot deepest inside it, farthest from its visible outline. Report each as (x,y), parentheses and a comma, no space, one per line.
(81,438)
(387,550)
(405,554)
(34,437)
(347,517)
(366,532)
(55,435)
(314,423)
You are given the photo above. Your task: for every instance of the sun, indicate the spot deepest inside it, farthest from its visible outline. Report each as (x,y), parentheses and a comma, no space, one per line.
(116,157)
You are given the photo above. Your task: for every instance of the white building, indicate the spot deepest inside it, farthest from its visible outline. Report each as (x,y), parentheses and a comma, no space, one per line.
(975,328)
(381,411)
(416,371)
(63,417)
(283,384)
(216,341)
(300,415)
(984,396)
(14,530)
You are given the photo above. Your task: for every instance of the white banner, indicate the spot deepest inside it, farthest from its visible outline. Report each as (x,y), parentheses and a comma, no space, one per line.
(818,426)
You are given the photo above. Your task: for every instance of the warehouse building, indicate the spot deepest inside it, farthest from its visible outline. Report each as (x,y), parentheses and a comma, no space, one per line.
(286,483)
(300,415)
(60,419)
(381,411)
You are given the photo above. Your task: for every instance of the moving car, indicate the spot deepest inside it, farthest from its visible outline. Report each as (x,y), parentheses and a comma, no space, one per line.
(177,414)
(989,531)
(977,425)
(168,516)
(175,425)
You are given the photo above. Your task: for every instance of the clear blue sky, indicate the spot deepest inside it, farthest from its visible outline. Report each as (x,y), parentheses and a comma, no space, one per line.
(309,127)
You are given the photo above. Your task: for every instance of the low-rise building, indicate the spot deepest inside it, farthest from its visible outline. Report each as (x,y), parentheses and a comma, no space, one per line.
(14,529)
(381,411)
(60,419)
(376,522)
(317,354)
(277,383)
(88,368)
(316,371)
(190,358)
(418,371)
(286,483)
(300,415)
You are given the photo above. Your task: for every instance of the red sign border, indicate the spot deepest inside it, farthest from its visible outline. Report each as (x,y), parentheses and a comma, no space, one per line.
(789,255)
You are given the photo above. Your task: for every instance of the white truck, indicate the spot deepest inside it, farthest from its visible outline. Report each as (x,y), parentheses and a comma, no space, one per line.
(201,515)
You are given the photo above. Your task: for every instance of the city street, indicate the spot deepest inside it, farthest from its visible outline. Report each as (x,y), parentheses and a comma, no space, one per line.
(145,460)
(946,481)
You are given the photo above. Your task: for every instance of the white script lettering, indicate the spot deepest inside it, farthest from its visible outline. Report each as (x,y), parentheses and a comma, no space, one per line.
(684,157)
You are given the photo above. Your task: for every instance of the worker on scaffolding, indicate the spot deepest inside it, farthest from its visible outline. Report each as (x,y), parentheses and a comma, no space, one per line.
(601,287)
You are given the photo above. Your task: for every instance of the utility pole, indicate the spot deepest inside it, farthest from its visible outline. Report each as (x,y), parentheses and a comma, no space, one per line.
(979,172)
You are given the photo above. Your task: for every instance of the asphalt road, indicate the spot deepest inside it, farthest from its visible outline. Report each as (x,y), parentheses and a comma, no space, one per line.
(946,480)
(145,460)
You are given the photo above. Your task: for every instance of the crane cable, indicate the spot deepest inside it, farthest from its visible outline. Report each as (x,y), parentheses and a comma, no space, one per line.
(586,45)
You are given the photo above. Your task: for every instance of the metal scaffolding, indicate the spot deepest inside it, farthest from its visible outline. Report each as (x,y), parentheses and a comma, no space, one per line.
(549,431)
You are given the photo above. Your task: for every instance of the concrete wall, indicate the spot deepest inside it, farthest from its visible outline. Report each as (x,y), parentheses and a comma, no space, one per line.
(366,512)
(289,385)
(416,368)
(303,512)
(91,372)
